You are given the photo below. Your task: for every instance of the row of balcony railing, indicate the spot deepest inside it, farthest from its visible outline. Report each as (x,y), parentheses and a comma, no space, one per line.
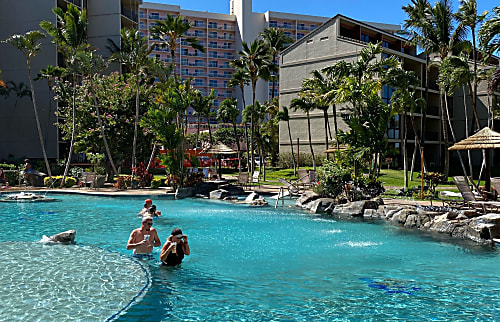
(195,24)
(292,26)
(132,15)
(200,35)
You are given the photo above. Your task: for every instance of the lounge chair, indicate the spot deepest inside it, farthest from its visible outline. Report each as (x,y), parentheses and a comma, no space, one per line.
(470,198)
(292,187)
(305,178)
(243,179)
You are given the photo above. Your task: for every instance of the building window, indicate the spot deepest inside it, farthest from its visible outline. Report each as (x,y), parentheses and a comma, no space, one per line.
(212,83)
(300,35)
(273,24)
(212,54)
(198,82)
(199,23)
(287,24)
(226,65)
(301,26)
(365,38)
(385,44)
(212,63)
(154,15)
(216,103)
(212,44)
(212,24)
(198,72)
(213,73)
(184,61)
(184,72)
(198,63)
(212,34)
(288,34)
(184,51)
(225,83)
(323,38)
(312,27)
(198,33)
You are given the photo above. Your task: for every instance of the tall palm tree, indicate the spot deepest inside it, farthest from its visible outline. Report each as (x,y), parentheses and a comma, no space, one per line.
(228,112)
(403,102)
(276,40)
(254,58)
(317,87)
(284,116)
(90,65)
(50,73)
(170,30)
(489,34)
(241,79)
(134,54)
(432,28)
(70,36)
(207,102)
(468,18)
(29,46)
(305,106)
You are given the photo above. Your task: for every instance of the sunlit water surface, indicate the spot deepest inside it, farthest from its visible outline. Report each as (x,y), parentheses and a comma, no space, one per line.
(247,264)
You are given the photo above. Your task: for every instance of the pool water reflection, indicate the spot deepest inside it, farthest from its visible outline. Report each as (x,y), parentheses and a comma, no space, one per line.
(277,264)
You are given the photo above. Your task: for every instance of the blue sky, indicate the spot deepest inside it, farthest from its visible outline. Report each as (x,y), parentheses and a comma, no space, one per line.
(384,11)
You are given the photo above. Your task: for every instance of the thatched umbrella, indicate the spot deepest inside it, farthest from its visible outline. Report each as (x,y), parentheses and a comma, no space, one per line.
(485,139)
(218,149)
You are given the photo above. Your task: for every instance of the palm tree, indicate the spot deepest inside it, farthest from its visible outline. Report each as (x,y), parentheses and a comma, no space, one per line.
(432,28)
(469,19)
(403,102)
(489,33)
(29,46)
(254,58)
(50,73)
(207,102)
(317,87)
(228,112)
(170,30)
(90,65)
(241,79)
(276,40)
(305,106)
(21,90)
(134,54)
(70,36)
(284,116)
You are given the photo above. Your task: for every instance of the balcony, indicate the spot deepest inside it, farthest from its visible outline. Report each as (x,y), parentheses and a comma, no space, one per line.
(132,15)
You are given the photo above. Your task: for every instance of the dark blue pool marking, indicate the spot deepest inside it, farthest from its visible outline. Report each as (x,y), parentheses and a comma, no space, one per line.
(142,291)
(391,286)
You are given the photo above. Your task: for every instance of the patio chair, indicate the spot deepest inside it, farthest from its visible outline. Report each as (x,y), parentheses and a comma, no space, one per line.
(89,178)
(305,178)
(243,179)
(292,187)
(255,178)
(470,198)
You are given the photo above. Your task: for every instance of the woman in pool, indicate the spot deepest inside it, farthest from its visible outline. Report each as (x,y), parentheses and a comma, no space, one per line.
(175,248)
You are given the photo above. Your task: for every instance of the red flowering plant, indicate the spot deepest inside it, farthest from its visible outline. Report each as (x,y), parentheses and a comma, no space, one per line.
(144,178)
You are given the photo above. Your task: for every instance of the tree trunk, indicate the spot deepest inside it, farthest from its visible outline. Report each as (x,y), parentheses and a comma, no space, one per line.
(405,154)
(310,141)
(453,137)
(238,146)
(444,124)
(73,130)
(134,142)
(291,146)
(40,134)
(254,83)
(99,120)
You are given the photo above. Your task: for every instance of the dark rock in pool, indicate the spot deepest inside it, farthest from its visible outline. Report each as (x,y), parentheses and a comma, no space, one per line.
(66,237)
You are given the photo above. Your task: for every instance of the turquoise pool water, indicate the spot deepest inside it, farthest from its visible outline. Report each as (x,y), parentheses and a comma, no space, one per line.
(247,264)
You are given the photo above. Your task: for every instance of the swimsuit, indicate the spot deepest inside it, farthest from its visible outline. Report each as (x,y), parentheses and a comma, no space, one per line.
(145,257)
(174,259)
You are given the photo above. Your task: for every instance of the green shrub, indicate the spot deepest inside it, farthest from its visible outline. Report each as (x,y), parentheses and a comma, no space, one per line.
(11,177)
(156,183)
(305,159)
(68,182)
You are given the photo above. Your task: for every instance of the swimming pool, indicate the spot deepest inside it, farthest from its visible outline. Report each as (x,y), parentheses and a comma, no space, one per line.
(247,263)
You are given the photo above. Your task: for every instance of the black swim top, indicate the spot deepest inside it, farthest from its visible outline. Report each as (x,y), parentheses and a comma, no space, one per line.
(175,259)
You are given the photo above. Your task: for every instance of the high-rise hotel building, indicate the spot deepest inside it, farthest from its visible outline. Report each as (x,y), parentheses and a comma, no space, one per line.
(222,36)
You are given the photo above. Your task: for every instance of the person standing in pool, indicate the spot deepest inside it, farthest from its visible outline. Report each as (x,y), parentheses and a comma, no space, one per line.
(175,248)
(143,239)
(148,203)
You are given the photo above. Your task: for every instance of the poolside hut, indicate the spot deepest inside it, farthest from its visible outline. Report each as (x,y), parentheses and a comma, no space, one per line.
(219,149)
(486,139)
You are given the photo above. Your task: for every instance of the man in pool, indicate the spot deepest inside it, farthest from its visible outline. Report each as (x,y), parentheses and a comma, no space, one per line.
(175,248)
(148,203)
(143,239)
